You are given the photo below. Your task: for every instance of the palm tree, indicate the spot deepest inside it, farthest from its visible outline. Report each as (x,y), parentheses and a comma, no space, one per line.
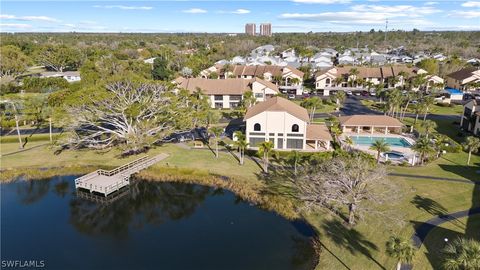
(427,103)
(400,249)
(348,141)
(380,146)
(341,96)
(428,127)
(294,158)
(241,144)
(217,131)
(248,99)
(472,144)
(423,147)
(312,103)
(462,254)
(265,148)
(338,81)
(295,81)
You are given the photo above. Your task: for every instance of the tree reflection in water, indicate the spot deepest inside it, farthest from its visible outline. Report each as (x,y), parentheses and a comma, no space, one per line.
(33,191)
(148,203)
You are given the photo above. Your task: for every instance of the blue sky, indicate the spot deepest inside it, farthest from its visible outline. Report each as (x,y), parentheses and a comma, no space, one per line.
(230,16)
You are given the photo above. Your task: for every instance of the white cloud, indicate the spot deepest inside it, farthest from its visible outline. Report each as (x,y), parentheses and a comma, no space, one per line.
(124,7)
(237,11)
(241,11)
(406,10)
(15,25)
(195,11)
(465,14)
(471,4)
(431,3)
(322,1)
(28,18)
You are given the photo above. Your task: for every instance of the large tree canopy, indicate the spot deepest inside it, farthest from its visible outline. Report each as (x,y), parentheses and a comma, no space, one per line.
(58,57)
(14,61)
(134,115)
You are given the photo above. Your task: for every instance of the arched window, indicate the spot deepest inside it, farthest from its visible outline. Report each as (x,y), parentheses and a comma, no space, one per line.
(327,81)
(257,127)
(295,128)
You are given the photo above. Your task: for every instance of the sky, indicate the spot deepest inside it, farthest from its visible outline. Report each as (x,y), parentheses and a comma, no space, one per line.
(231,16)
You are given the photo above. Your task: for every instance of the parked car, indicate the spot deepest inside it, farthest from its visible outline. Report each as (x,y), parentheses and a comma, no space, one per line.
(357,93)
(372,93)
(365,93)
(291,96)
(306,95)
(349,93)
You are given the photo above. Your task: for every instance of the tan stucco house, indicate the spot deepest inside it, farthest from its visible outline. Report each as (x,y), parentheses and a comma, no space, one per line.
(464,79)
(286,124)
(228,93)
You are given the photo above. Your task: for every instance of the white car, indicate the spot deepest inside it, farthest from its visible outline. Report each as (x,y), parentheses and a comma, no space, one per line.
(349,93)
(357,93)
(291,96)
(373,94)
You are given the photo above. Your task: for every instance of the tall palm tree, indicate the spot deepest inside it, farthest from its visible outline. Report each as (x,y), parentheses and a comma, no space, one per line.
(294,158)
(462,254)
(13,108)
(348,141)
(423,147)
(428,127)
(217,131)
(400,249)
(241,143)
(427,103)
(340,96)
(380,146)
(472,144)
(248,99)
(265,149)
(312,104)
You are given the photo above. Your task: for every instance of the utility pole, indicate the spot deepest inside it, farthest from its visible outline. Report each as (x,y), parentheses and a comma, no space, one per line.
(386,30)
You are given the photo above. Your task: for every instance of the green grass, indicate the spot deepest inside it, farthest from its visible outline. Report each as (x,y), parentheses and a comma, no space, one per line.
(436,109)
(325,108)
(431,250)
(33,138)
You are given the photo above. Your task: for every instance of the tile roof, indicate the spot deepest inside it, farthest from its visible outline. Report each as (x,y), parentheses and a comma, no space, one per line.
(369,120)
(278,104)
(221,86)
(318,132)
(462,74)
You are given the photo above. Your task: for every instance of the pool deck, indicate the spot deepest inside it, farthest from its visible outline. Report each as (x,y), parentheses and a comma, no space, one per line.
(409,153)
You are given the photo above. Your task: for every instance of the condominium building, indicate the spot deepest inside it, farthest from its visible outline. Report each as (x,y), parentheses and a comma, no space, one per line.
(266,29)
(250,29)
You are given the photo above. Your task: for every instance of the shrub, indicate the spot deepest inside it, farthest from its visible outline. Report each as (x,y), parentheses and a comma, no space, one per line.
(37,85)
(9,88)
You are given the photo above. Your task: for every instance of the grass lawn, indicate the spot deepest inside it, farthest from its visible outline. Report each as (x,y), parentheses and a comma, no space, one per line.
(435,241)
(454,109)
(325,108)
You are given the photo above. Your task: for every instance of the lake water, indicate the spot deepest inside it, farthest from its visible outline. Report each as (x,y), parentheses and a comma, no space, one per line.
(153,226)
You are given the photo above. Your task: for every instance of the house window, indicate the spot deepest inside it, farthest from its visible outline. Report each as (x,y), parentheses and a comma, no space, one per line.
(295,128)
(327,81)
(280,143)
(236,97)
(257,127)
(234,104)
(218,97)
(294,143)
(254,142)
(258,95)
(218,105)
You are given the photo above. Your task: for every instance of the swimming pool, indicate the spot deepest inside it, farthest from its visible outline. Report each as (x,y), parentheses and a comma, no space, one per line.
(392,141)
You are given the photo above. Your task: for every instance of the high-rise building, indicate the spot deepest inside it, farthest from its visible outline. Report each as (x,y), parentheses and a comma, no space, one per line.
(250,29)
(266,29)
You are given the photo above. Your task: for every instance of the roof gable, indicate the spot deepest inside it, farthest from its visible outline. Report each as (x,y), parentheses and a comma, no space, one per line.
(278,104)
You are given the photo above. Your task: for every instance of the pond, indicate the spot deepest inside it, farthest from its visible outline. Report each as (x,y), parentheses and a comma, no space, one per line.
(151,225)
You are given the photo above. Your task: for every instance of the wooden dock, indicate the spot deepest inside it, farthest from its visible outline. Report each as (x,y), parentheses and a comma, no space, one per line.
(106,182)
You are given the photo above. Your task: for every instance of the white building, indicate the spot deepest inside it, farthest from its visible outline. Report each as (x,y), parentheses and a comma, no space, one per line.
(228,93)
(69,76)
(471,117)
(464,79)
(286,124)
